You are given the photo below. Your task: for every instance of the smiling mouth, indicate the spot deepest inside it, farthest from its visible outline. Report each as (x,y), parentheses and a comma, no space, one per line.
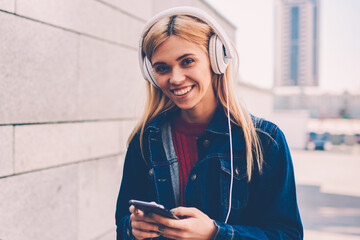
(182,91)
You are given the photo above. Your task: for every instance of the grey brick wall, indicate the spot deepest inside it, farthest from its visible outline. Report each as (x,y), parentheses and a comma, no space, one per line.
(70,94)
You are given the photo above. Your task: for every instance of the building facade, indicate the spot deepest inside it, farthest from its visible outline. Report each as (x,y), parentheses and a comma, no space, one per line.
(296,42)
(321,104)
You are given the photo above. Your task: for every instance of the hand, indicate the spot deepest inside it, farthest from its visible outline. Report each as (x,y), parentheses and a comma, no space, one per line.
(143,226)
(193,225)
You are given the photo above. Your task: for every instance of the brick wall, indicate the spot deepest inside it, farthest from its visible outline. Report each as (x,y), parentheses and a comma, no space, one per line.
(70,94)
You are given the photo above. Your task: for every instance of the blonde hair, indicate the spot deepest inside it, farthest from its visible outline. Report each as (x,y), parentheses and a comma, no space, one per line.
(196,31)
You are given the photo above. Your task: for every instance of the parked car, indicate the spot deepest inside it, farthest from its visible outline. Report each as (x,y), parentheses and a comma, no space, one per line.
(357,138)
(317,141)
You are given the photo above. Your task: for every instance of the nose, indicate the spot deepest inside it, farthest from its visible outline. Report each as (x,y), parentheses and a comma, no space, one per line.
(177,76)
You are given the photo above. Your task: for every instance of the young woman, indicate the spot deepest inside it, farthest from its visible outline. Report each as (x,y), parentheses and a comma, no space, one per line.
(223,172)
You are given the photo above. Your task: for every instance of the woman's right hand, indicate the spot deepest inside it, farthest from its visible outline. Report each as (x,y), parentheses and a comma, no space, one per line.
(142,225)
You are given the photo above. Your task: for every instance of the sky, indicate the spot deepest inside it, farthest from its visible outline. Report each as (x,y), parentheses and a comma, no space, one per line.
(339,40)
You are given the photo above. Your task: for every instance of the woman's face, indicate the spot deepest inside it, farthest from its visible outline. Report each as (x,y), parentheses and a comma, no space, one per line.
(182,70)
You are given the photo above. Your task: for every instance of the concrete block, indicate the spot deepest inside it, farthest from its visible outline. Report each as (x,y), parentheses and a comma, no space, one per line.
(38,71)
(45,145)
(87,17)
(39,205)
(88,205)
(110,82)
(132,32)
(99,183)
(6,150)
(109,235)
(7,5)
(133,7)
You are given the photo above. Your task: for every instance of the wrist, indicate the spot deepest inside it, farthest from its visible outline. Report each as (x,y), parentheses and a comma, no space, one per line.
(215,230)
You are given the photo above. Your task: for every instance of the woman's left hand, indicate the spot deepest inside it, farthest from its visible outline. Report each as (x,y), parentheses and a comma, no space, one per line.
(193,224)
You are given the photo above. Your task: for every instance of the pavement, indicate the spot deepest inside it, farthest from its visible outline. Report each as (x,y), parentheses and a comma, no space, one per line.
(328,191)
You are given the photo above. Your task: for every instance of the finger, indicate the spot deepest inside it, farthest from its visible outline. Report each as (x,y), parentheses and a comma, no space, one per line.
(171,233)
(138,234)
(131,208)
(138,212)
(168,222)
(142,217)
(144,226)
(134,210)
(186,211)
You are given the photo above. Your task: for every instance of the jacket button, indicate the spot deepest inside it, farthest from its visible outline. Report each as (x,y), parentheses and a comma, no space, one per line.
(128,232)
(237,171)
(193,177)
(151,172)
(206,143)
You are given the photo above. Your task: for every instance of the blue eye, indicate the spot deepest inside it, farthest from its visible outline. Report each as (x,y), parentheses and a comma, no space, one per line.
(161,69)
(187,61)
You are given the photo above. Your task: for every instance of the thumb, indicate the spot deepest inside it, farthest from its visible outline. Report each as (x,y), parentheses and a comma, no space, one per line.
(185,211)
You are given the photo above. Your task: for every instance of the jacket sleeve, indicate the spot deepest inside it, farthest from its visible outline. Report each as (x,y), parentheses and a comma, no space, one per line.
(274,212)
(133,186)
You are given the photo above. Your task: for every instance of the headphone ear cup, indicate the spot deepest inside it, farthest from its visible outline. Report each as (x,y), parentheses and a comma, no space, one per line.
(149,72)
(218,59)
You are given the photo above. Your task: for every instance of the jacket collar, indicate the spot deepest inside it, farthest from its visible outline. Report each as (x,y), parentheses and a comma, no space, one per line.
(218,123)
(160,119)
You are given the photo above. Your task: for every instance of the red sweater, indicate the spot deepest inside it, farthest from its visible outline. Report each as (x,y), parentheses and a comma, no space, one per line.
(184,137)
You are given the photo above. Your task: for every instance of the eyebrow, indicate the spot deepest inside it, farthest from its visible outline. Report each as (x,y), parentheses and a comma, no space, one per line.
(178,59)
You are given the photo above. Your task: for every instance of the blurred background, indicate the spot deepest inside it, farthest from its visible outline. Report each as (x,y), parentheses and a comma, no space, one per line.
(71,91)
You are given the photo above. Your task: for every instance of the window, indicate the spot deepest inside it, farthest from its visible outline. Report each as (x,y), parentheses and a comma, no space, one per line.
(314,42)
(294,46)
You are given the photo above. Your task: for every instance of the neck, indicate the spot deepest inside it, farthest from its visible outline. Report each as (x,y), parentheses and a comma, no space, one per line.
(199,115)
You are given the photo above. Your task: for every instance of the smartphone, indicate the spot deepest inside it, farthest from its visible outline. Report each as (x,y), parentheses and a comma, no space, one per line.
(155,208)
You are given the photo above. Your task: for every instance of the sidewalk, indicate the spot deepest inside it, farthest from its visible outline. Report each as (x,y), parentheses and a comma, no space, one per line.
(318,235)
(328,186)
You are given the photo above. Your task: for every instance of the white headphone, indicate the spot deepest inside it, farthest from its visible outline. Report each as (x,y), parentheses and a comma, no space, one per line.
(220,48)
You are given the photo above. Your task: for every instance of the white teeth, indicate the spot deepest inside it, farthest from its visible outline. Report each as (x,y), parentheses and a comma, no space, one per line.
(182,91)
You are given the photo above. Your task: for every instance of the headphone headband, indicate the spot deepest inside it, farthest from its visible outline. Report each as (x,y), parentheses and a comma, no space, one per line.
(191,11)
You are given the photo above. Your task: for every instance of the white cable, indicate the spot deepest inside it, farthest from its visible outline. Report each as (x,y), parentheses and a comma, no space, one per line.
(231,150)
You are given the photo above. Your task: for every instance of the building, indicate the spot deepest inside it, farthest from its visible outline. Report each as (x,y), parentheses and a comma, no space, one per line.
(320,103)
(260,102)
(296,42)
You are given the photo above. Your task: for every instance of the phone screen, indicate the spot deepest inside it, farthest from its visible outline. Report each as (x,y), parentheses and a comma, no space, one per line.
(153,208)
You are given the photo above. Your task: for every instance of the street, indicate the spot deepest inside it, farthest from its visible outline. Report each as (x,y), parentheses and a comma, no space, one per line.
(328,188)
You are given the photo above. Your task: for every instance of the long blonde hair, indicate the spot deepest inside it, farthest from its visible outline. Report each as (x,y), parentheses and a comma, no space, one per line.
(195,30)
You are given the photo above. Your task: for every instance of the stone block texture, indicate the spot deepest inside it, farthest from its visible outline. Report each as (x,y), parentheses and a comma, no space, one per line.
(6,150)
(51,75)
(109,81)
(38,71)
(48,145)
(40,205)
(139,8)
(86,17)
(99,183)
(71,92)
(7,5)
(70,202)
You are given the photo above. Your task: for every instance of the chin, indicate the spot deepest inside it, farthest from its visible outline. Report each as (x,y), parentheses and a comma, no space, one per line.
(185,107)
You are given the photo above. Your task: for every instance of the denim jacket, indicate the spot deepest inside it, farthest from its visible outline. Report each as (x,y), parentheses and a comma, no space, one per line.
(264,208)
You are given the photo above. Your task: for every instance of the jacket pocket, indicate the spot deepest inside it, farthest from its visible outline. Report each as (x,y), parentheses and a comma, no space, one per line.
(240,186)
